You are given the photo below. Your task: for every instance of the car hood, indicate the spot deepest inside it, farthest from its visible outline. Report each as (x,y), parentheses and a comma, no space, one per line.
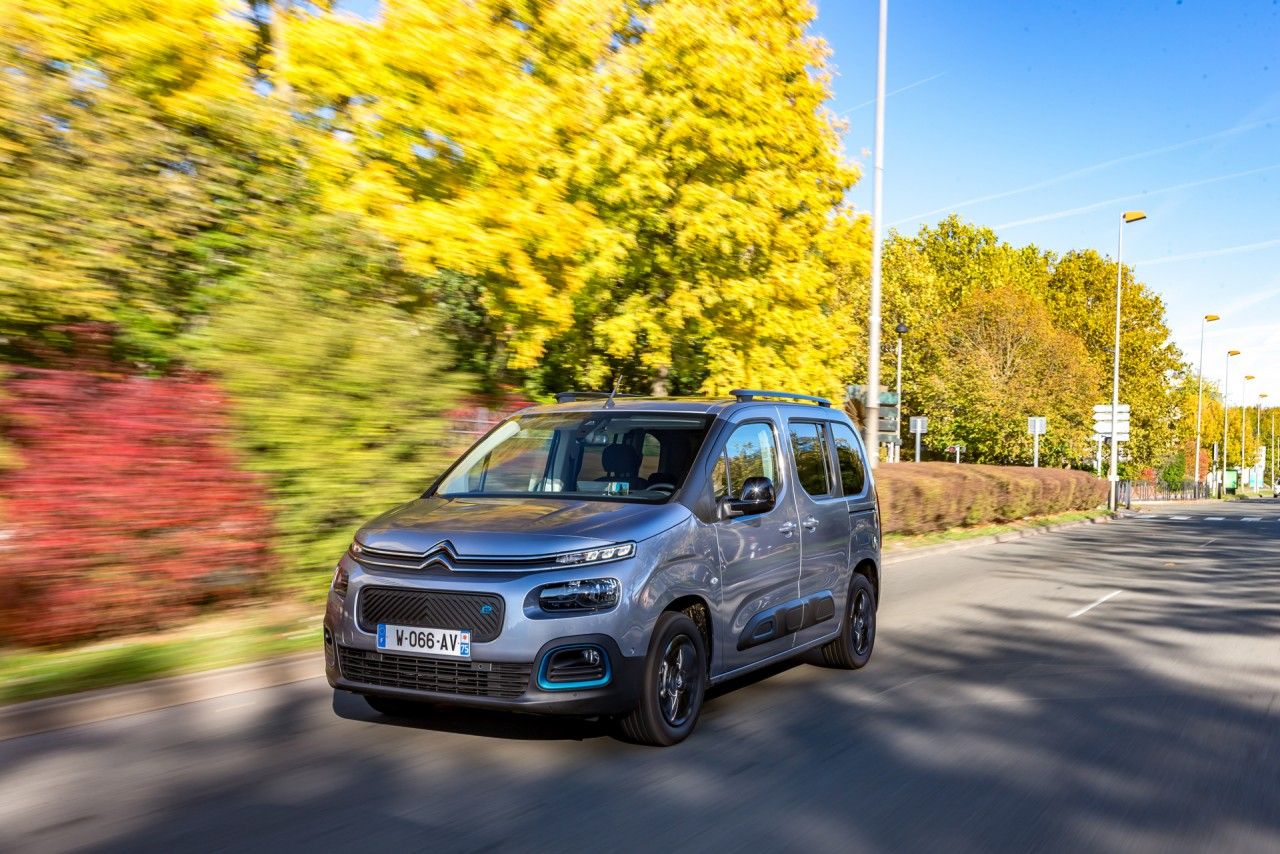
(516,527)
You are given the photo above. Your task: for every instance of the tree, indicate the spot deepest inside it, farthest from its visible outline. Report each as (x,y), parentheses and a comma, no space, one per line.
(717,175)
(339,405)
(1081,298)
(1000,361)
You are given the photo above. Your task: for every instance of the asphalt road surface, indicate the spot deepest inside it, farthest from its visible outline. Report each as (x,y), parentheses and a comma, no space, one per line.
(1111,688)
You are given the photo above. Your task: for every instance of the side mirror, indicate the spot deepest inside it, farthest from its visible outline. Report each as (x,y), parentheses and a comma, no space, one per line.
(756,497)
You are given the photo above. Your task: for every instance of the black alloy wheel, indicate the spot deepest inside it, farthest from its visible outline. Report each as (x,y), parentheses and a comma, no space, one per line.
(675,683)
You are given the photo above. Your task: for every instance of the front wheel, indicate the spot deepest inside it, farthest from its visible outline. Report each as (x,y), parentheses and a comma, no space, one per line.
(852,648)
(675,679)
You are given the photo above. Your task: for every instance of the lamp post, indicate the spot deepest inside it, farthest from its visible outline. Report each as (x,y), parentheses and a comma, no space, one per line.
(1208,318)
(1262,468)
(1244,414)
(872,426)
(1226,374)
(901,330)
(1127,216)
(1273,449)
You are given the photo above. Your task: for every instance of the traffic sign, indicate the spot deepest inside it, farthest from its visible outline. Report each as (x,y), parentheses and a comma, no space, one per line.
(1036,425)
(1101,436)
(919,424)
(1105,408)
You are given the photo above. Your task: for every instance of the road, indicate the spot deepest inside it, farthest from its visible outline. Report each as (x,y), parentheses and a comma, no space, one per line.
(1000,712)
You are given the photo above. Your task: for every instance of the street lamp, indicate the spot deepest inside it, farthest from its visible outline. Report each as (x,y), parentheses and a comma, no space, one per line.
(872,427)
(1262,471)
(1127,216)
(1244,414)
(901,330)
(1208,318)
(1226,375)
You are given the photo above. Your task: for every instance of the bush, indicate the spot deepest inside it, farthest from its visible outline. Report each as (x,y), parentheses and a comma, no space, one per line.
(340,407)
(918,498)
(126,510)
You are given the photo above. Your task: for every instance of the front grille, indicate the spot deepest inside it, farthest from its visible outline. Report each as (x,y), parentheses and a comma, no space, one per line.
(432,609)
(472,679)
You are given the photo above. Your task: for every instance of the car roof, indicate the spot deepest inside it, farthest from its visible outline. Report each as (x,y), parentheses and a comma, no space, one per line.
(690,405)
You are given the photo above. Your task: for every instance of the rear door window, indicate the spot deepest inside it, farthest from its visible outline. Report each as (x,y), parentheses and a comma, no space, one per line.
(853,472)
(809,446)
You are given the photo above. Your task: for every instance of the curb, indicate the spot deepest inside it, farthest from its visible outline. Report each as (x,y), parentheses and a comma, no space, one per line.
(54,713)
(891,558)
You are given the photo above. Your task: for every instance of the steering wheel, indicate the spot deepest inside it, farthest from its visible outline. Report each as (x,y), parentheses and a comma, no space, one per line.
(661,487)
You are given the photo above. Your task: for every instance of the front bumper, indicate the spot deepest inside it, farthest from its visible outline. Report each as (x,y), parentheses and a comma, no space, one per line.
(512,686)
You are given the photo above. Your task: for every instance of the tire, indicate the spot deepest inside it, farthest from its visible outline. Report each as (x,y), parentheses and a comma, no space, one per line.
(670,700)
(852,649)
(393,707)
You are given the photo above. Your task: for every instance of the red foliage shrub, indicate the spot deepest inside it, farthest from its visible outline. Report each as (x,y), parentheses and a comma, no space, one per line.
(918,498)
(126,510)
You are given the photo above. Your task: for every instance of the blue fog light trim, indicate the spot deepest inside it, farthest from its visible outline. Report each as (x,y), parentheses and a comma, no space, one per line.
(574,686)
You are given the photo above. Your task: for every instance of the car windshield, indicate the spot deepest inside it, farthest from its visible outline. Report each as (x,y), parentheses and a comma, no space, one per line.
(629,456)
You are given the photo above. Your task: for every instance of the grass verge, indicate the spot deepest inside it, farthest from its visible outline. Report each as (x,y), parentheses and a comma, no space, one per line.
(905,542)
(239,636)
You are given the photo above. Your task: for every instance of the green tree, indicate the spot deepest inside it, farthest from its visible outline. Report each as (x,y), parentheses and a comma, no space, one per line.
(1081,298)
(340,405)
(1000,361)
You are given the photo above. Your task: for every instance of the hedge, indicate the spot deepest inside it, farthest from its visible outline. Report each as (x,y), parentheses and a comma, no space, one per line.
(918,498)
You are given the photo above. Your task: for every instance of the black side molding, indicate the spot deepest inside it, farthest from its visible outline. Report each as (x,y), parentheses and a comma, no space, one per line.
(787,618)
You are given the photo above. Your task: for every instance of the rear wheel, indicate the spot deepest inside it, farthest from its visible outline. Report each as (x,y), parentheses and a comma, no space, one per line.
(675,679)
(852,648)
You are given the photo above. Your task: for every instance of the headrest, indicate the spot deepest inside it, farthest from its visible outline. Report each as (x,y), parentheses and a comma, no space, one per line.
(620,459)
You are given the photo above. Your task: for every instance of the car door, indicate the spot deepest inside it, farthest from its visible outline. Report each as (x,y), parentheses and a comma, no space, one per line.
(759,552)
(858,496)
(824,527)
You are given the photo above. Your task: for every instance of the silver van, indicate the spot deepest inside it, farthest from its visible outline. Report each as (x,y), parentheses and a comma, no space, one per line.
(615,556)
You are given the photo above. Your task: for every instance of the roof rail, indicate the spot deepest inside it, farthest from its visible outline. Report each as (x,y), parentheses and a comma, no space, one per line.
(743,394)
(571,396)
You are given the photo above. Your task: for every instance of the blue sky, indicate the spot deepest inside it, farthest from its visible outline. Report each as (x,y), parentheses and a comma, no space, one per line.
(1068,113)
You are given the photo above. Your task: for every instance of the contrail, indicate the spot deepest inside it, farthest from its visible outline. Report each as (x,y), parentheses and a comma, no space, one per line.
(1210,253)
(1107,203)
(895,92)
(1088,170)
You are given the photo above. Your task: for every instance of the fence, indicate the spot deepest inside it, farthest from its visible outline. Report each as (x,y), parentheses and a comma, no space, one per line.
(1130,491)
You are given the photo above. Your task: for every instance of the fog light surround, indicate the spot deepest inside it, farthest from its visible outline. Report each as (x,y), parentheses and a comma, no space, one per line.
(581,596)
(576,667)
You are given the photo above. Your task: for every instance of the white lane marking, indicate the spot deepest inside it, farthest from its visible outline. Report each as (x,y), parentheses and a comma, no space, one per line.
(1111,595)
(1206,542)
(1251,519)
(1215,518)
(1179,518)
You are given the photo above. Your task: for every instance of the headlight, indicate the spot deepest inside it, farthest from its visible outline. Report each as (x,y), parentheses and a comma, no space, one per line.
(356,549)
(595,594)
(614,552)
(340,582)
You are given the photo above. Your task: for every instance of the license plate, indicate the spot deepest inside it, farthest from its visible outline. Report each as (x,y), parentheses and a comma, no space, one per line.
(450,643)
